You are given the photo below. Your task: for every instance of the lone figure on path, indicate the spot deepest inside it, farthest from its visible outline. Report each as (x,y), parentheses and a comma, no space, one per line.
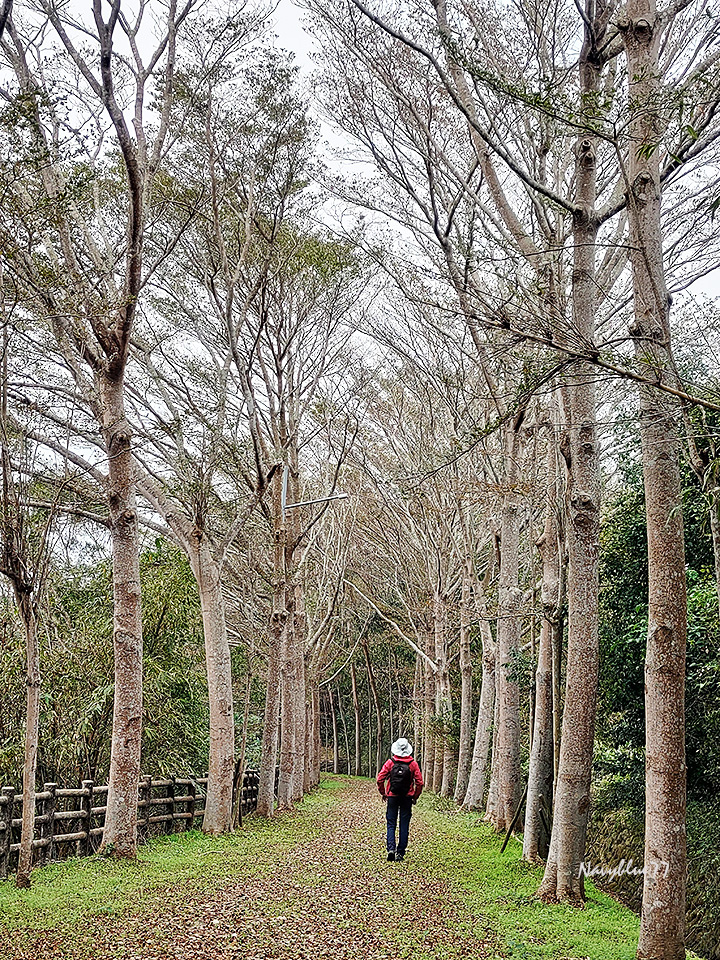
(400,783)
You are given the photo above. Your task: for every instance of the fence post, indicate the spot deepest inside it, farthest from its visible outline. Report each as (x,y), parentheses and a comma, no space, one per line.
(85,847)
(144,818)
(172,793)
(51,807)
(192,790)
(6,836)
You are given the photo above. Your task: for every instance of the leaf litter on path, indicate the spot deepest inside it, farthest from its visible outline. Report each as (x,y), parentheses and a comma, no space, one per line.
(333,897)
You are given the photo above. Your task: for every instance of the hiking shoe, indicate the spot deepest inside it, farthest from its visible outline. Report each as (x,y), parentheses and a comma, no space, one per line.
(399,857)
(391,855)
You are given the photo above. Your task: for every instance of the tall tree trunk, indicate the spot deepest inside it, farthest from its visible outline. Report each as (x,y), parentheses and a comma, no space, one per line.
(508,634)
(288,721)
(358,724)
(563,879)
(417,711)
(293,719)
(26,608)
(541,771)
(429,733)
(278,627)
(120,833)
(444,754)
(221,763)
(315,700)
(299,691)
(483,730)
(345,732)
(309,745)
(391,714)
(662,924)
(336,743)
(465,747)
(492,797)
(378,710)
(557,649)
(242,759)
(271,721)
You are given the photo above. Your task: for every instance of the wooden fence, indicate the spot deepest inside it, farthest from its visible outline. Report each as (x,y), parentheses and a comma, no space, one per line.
(70,822)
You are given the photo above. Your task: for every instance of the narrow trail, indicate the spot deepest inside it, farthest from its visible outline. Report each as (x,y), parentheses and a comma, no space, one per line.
(334,896)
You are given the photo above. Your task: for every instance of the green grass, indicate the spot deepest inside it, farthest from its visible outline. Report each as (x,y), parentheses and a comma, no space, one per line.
(455,877)
(64,894)
(500,887)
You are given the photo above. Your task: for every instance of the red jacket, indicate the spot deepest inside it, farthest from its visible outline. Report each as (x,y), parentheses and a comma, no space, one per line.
(383,778)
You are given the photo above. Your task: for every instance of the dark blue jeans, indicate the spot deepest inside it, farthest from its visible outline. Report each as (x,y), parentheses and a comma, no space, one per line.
(403,806)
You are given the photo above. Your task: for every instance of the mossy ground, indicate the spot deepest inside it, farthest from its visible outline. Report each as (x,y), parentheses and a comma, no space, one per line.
(313,883)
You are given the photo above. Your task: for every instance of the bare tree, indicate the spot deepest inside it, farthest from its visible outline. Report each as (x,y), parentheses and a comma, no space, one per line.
(92,313)
(662,929)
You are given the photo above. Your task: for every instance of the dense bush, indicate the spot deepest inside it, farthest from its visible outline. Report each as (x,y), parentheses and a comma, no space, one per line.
(623,630)
(617,833)
(77,673)
(617,827)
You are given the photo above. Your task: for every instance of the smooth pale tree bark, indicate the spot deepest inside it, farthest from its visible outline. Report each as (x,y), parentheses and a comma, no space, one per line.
(198,548)
(444,760)
(563,879)
(221,761)
(475,792)
(357,769)
(271,720)
(418,743)
(492,797)
(541,771)
(465,752)
(557,649)
(293,671)
(26,608)
(508,642)
(315,734)
(391,711)
(430,740)
(343,721)
(277,630)
(336,742)
(294,708)
(662,924)
(120,833)
(309,751)
(288,718)
(378,709)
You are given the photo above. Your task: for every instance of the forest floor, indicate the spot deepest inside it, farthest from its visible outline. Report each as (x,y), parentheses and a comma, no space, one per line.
(313,884)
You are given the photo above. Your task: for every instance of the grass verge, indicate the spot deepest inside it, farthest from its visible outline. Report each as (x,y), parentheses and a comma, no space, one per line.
(500,888)
(65,894)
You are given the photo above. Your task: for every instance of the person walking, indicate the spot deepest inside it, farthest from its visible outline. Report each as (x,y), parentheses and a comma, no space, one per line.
(400,783)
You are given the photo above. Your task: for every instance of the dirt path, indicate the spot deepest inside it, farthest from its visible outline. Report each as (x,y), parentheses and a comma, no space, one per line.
(335,897)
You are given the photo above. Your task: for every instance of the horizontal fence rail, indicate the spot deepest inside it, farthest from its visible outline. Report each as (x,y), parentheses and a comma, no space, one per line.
(69,822)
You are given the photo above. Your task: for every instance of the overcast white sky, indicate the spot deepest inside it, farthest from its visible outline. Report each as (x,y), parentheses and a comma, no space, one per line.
(288,26)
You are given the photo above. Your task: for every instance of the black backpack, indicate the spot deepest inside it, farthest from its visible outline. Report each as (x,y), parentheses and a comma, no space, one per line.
(401,778)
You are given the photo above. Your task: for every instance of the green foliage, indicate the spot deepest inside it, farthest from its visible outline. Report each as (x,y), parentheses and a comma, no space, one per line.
(77,673)
(617,833)
(623,633)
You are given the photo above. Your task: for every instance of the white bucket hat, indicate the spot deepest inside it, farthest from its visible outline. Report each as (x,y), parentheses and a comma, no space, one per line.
(401,748)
